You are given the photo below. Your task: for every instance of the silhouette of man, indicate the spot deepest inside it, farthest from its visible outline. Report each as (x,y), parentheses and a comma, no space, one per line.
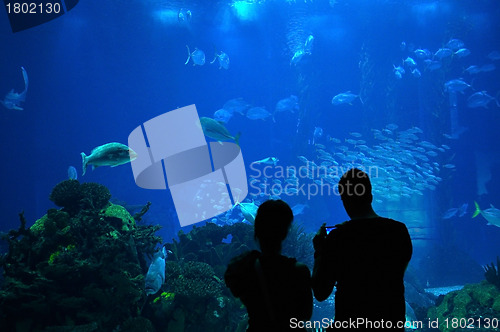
(365,258)
(275,289)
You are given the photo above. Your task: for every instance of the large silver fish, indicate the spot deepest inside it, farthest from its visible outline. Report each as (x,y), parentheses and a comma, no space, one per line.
(492,214)
(216,130)
(13,99)
(111,154)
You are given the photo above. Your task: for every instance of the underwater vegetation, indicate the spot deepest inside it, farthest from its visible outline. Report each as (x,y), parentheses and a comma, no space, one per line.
(82,268)
(77,268)
(476,306)
(492,274)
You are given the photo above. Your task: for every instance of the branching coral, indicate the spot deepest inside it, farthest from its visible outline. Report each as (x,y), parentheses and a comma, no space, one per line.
(67,194)
(82,266)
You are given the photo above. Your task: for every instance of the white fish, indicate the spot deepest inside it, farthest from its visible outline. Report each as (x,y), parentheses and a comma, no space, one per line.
(155,277)
(267,161)
(249,210)
(198,57)
(308,45)
(258,113)
(456,85)
(110,154)
(443,53)
(223,60)
(492,215)
(344,98)
(297,56)
(409,62)
(13,99)
(463,52)
(480,99)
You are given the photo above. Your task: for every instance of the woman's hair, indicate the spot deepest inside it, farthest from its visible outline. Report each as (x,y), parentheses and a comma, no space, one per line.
(272,223)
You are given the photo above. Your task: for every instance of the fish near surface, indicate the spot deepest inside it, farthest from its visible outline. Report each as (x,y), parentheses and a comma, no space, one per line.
(13,99)
(110,154)
(492,215)
(217,131)
(155,277)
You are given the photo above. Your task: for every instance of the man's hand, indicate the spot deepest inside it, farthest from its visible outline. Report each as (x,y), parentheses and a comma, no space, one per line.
(319,238)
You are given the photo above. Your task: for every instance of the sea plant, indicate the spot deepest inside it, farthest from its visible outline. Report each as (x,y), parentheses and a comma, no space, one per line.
(492,274)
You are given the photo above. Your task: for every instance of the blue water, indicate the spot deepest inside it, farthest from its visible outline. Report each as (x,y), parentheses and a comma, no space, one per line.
(104,68)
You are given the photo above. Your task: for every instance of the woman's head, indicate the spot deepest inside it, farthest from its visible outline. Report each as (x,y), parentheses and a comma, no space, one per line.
(272,223)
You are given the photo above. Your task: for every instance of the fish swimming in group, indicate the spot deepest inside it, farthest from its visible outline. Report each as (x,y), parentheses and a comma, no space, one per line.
(494,55)
(460,211)
(249,210)
(155,277)
(409,62)
(110,154)
(217,131)
(473,69)
(13,99)
(258,113)
(416,73)
(443,53)
(398,72)
(198,57)
(492,215)
(455,44)
(422,53)
(267,161)
(238,105)
(456,85)
(289,104)
(298,209)
(344,98)
(463,52)
(480,99)
(223,59)
(223,115)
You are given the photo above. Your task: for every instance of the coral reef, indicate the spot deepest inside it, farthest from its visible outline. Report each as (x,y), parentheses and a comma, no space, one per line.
(492,274)
(73,196)
(80,268)
(474,303)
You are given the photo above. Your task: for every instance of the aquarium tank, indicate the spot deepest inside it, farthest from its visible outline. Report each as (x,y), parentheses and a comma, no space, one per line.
(139,138)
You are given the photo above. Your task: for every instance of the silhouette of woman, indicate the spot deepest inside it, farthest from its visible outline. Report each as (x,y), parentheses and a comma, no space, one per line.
(275,289)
